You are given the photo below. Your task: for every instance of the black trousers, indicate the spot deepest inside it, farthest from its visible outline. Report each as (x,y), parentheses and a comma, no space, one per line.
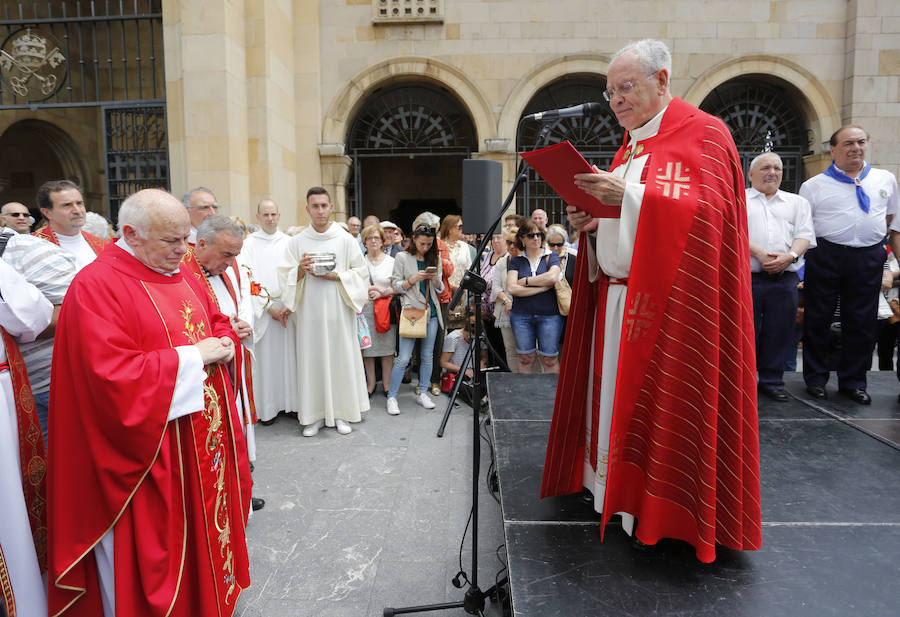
(774,316)
(854,275)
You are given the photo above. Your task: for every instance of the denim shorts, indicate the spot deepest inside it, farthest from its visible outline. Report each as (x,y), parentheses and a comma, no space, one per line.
(544,330)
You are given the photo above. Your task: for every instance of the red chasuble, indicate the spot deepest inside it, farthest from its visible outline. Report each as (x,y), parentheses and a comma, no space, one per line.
(171,491)
(684,444)
(98,244)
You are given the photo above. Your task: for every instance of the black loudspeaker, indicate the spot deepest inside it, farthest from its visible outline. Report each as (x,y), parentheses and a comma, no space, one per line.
(482,185)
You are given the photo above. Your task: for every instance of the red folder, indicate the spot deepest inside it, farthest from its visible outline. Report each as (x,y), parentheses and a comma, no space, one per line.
(557,166)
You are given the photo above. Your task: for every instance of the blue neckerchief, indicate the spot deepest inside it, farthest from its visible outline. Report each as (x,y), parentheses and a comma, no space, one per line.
(840,176)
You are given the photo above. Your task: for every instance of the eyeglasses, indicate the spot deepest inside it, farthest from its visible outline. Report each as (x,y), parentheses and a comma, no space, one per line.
(556,245)
(16,214)
(624,89)
(424,230)
(535,234)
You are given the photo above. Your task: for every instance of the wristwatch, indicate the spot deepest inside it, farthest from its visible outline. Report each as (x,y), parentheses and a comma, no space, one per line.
(795,256)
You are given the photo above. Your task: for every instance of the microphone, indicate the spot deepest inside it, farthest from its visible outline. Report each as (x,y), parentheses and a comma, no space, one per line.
(576,111)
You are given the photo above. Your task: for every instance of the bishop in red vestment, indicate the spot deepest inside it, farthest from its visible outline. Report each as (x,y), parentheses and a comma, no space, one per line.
(672,434)
(147,505)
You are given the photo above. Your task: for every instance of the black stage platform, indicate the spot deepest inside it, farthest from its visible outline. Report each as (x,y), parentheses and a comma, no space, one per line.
(831,519)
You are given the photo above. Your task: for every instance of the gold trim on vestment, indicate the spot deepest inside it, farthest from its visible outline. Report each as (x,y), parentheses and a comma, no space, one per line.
(183,518)
(7,596)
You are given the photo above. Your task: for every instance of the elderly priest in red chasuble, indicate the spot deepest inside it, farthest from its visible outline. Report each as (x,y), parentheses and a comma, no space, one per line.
(149,485)
(658,418)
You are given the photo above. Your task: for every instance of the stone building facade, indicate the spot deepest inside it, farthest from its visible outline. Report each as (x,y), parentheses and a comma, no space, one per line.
(380,100)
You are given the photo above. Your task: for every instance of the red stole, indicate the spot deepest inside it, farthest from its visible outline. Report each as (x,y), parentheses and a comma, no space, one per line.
(242,365)
(171,490)
(32,457)
(97,244)
(684,453)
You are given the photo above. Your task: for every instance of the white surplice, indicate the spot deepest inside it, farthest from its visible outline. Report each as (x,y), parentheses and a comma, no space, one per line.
(330,381)
(274,351)
(614,249)
(243,310)
(24,313)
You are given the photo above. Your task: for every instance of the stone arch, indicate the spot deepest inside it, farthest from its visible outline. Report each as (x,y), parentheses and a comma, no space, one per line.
(540,77)
(813,99)
(45,152)
(347,102)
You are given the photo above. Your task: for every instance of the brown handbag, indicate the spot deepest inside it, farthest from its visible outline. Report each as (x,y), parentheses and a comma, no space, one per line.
(413,323)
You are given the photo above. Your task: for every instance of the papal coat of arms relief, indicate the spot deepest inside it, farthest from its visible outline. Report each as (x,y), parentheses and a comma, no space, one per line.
(32,64)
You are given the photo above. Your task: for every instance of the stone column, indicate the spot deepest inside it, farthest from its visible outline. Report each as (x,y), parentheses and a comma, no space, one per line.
(272,143)
(871,77)
(335,166)
(206,98)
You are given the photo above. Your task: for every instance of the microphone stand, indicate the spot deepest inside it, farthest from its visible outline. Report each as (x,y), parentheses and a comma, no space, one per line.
(473,600)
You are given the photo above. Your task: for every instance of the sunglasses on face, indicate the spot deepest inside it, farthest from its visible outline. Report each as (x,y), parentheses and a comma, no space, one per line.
(535,234)
(556,245)
(16,214)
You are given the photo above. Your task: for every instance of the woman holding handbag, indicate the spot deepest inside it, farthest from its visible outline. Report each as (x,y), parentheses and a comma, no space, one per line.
(381,266)
(417,276)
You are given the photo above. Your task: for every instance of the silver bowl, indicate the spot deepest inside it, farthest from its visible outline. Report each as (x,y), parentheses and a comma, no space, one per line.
(322,263)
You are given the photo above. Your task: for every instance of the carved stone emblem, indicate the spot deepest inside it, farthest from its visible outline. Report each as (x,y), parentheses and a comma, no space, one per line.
(32,64)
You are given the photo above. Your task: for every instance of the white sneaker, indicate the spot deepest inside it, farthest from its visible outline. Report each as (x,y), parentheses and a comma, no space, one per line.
(393,408)
(312,430)
(424,400)
(342,427)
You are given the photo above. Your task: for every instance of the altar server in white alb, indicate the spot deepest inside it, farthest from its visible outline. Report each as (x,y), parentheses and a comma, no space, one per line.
(330,383)
(274,332)
(24,313)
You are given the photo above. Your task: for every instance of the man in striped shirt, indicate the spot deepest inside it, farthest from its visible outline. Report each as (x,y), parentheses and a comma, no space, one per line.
(50,269)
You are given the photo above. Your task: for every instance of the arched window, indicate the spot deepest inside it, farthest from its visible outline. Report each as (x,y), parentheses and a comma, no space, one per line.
(596,137)
(406,121)
(762,118)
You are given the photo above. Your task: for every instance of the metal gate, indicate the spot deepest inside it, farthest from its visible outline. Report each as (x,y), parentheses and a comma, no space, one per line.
(596,137)
(94,53)
(762,118)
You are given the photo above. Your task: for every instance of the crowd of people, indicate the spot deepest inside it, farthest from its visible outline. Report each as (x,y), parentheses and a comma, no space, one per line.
(136,366)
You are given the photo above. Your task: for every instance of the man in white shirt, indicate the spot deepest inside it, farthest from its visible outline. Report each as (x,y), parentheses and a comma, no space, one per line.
(62,204)
(852,205)
(200,203)
(780,229)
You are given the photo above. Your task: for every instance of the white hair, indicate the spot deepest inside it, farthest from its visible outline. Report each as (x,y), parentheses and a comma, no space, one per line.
(186,199)
(96,225)
(557,230)
(213,225)
(759,157)
(133,212)
(654,55)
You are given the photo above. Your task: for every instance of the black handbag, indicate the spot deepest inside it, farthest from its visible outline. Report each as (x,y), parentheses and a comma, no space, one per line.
(394,309)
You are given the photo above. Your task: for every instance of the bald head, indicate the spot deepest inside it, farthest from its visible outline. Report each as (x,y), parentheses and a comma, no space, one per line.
(16,216)
(267,216)
(156,227)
